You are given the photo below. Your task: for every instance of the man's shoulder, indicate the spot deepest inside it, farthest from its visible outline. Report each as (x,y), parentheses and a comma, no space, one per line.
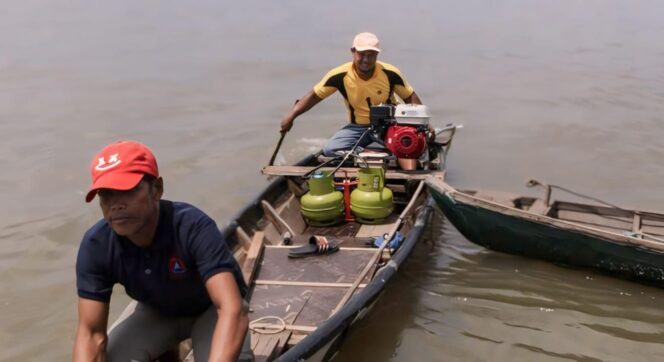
(185,214)
(388,67)
(183,209)
(100,231)
(97,243)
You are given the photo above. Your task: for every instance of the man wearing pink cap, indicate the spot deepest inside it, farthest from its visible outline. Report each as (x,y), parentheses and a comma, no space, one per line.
(362,82)
(169,256)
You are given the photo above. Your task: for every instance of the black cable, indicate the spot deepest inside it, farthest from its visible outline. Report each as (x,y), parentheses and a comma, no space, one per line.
(351,151)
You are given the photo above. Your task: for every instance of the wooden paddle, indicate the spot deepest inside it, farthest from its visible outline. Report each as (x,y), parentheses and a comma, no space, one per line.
(281,139)
(276,150)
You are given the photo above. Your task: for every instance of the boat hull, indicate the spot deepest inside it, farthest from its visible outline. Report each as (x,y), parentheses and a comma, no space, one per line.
(534,237)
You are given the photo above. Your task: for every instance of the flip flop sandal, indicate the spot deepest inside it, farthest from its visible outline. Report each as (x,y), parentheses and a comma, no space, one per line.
(312,249)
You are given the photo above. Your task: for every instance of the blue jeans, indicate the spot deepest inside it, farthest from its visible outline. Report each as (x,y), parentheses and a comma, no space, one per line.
(347,137)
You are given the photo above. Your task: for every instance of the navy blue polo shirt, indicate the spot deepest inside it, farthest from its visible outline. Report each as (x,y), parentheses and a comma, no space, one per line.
(169,275)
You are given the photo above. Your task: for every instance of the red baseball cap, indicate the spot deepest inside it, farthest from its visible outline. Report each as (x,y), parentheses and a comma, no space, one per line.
(121,166)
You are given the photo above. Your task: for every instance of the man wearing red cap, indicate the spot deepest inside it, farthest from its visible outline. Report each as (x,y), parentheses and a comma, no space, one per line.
(169,256)
(362,82)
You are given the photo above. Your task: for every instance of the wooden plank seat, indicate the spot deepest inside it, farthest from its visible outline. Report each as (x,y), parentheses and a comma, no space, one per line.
(351,171)
(344,241)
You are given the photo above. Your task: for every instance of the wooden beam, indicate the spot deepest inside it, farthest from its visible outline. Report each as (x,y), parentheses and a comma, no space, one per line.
(636,225)
(265,349)
(254,253)
(288,327)
(289,211)
(243,237)
(296,338)
(278,222)
(539,207)
(305,284)
(269,346)
(352,171)
(340,248)
(295,188)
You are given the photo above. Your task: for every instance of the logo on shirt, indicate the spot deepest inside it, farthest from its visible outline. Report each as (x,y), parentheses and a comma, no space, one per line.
(176,265)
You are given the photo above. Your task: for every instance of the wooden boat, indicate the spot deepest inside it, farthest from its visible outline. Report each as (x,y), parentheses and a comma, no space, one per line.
(624,243)
(320,298)
(303,308)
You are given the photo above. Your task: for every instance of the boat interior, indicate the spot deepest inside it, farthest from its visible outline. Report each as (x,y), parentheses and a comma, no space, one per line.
(635,223)
(291,297)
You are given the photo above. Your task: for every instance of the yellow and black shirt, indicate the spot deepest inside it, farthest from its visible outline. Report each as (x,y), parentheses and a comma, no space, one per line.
(359,93)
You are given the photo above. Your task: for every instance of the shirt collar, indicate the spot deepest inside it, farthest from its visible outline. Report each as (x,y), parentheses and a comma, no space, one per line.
(164,235)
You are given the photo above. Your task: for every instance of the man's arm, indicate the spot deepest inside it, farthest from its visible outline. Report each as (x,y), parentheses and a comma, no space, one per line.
(304,104)
(91,338)
(413,99)
(232,317)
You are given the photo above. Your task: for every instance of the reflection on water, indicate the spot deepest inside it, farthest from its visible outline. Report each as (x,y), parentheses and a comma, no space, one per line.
(456,301)
(571,93)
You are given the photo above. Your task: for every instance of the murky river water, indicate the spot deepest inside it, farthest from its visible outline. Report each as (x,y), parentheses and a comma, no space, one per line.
(571,92)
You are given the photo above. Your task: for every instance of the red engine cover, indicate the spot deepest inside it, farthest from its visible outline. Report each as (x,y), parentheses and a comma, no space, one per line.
(405,141)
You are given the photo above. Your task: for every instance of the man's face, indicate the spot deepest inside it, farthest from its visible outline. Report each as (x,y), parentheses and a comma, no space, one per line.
(365,61)
(132,213)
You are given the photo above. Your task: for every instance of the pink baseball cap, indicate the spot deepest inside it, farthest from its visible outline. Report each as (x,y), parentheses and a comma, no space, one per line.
(366,41)
(121,166)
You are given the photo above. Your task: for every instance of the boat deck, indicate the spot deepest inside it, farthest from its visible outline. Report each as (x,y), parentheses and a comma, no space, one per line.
(291,297)
(302,292)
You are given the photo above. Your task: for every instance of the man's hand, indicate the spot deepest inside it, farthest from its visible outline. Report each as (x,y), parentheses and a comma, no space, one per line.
(287,122)
(91,338)
(302,105)
(232,317)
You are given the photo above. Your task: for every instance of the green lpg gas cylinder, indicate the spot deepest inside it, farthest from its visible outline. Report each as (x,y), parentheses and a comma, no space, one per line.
(322,205)
(371,201)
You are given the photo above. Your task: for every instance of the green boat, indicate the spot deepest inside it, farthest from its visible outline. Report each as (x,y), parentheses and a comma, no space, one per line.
(624,243)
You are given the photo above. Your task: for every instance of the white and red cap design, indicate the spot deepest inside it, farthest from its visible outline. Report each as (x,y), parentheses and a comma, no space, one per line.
(121,166)
(366,41)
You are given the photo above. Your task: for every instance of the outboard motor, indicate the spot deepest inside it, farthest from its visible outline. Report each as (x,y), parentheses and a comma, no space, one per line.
(323,205)
(381,117)
(404,129)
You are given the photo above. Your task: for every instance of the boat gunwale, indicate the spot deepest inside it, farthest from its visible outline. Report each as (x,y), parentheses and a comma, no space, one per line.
(252,208)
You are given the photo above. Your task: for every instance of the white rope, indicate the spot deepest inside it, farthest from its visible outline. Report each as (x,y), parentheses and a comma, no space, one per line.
(268,330)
